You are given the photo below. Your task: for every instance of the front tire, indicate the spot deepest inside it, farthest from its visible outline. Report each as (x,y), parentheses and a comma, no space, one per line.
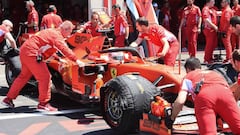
(123,101)
(12,69)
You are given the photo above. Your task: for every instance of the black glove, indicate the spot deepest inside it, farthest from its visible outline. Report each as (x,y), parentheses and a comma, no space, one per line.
(169,122)
(16,50)
(126,42)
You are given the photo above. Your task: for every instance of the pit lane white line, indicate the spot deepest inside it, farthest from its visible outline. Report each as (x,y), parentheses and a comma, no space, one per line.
(43,113)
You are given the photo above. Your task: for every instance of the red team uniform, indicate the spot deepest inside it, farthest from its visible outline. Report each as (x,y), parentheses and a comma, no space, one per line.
(192,14)
(225,27)
(39,43)
(209,32)
(155,34)
(33,17)
(234,38)
(92,29)
(212,100)
(51,20)
(120,23)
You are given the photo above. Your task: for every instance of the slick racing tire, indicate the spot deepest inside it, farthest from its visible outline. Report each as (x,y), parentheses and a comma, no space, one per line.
(124,99)
(12,69)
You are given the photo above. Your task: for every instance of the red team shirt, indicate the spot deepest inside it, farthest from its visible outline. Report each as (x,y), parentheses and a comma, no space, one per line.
(45,40)
(209,77)
(225,19)
(192,14)
(91,29)
(3,31)
(211,14)
(51,20)
(236,10)
(155,35)
(32,17)
(119,25)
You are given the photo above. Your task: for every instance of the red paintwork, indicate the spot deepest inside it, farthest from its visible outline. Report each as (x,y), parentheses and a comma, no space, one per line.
(75,76)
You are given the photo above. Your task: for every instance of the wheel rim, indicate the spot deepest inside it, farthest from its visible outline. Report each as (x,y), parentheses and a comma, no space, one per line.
(114,107)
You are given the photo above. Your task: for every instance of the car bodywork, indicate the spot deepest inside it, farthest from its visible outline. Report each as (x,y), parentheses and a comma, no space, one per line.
(122,69)
(114,61)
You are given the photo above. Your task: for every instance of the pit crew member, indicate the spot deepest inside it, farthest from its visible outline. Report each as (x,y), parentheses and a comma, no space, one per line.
(32,18)
(158,35)
(235,25)
(5,29)
(225,28)
(121,28)
(30,52)
(192,17)
(211,95)
(236,12)
(92,26)
(209,16)
(51,20)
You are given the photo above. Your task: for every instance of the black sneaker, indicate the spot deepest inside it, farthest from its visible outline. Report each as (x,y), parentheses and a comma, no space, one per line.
(8,102)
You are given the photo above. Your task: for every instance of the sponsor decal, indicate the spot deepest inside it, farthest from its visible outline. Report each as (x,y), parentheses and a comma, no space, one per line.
(113,72)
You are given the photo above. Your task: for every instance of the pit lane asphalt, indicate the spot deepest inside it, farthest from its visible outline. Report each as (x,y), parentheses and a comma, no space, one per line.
(72,118)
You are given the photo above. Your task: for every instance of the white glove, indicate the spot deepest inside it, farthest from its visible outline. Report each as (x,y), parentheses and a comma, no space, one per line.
(80,63)
(133,44)
(62,61)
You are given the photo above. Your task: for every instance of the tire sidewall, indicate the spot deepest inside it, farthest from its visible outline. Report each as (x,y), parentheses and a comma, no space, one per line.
(136,93)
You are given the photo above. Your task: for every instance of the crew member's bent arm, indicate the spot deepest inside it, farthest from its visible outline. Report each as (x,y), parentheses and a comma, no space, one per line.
(199,22)
(63,47)
(178,104)
(209,22)
(82,28)
(181,23)
(136,42)
(10,38)
(165,46)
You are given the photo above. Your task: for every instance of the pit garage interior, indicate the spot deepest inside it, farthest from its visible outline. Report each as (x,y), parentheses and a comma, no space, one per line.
(78,10)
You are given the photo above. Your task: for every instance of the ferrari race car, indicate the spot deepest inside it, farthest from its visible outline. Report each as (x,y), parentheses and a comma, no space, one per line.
(118,78)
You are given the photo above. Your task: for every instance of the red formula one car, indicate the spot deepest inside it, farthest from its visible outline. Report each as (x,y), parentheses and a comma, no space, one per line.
(119,79)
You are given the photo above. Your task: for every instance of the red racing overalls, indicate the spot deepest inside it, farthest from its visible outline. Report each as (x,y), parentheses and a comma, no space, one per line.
(209,32)
(43,40)
(155,34)
(215,97)
(33,18)
(191,14)
(225,27)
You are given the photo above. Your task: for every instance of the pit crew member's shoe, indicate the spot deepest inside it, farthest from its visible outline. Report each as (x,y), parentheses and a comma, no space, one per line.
(8,102)
(46,107)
